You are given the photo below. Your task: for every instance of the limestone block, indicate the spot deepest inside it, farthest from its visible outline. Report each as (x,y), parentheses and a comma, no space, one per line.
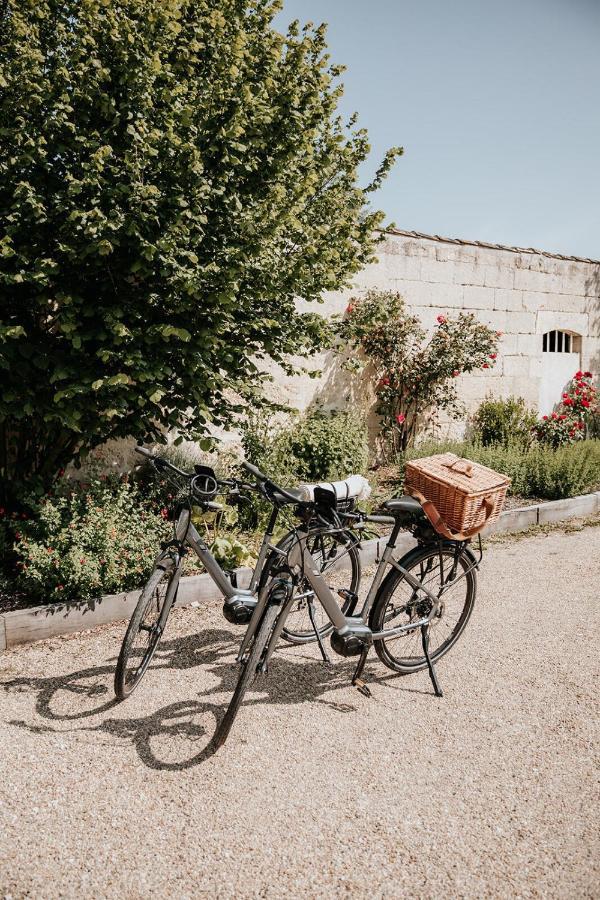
(407,268)
(508,344)
(478,297)
(529,344)
(438,271)
(526,280)
(520,322)
(535,300)
(499,277)
(431,294)
(508,299)
(547,320)
(575,303)
(516,366)
(497,319)
(472,273)
(536,365)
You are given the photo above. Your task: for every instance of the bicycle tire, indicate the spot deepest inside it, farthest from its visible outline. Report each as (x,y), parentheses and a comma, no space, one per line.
(460,612)
(247,675)
(300,636)
(124,685)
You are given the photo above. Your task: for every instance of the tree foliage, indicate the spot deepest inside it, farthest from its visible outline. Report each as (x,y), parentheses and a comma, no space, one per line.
(173,175)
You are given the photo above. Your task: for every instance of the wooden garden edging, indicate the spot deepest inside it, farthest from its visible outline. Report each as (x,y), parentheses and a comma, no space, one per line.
(22,626)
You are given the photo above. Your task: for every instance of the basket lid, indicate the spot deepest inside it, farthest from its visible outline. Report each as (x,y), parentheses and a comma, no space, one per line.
(465,475)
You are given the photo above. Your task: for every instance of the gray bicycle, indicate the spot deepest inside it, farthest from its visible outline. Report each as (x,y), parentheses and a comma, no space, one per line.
(306,622)
(414,613)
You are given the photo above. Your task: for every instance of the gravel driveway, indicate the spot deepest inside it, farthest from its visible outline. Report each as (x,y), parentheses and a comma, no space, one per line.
(319,792)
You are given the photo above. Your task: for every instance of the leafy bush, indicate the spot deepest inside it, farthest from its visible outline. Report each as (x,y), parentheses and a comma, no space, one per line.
(414,373)
(499,421)
(317,447)
(536,472)
(99,539)
(330,446)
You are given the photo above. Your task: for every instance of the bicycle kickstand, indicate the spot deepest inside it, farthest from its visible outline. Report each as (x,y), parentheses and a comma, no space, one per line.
(357,682)
(425,638)
(313,622)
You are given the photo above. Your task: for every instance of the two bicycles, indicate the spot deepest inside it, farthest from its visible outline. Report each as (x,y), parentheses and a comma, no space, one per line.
(306,587)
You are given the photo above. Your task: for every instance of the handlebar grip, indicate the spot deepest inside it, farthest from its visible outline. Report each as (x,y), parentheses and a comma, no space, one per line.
(382,520)
(144,452)
(254,471)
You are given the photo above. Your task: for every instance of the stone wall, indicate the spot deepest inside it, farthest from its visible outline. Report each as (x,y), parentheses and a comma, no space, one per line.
(522,293)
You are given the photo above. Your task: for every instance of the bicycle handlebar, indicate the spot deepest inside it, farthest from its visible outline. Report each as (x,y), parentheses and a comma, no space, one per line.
(269,485)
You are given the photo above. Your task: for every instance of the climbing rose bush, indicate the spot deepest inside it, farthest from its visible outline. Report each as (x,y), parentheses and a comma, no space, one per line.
(414,372)
(570,422)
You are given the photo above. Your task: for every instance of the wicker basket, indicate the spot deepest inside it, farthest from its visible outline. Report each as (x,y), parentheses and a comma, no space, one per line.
(459,497)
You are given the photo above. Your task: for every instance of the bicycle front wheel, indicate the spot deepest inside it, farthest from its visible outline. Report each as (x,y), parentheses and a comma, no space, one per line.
(249,671)
(144,630)
(398,604)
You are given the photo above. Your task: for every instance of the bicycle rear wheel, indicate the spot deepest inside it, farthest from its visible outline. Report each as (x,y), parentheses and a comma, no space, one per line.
(144,630)
(249,671)
(398,604)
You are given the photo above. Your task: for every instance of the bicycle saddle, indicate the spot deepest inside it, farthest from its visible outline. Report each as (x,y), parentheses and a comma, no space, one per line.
(402,504)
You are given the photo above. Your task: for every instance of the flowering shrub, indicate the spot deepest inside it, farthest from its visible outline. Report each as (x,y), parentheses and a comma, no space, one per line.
(98,539)
(414,373)
(575,413)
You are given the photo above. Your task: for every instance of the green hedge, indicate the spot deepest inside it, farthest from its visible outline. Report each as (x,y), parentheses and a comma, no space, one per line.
(536,472)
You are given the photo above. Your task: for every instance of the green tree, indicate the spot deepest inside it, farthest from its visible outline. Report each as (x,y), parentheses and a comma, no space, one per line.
(173,175)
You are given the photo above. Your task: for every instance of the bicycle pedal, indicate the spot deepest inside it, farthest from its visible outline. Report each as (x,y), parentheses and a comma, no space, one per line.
(362,687)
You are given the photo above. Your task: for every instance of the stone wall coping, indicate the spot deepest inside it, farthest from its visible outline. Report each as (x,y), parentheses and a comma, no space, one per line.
(463,242)
(24,626)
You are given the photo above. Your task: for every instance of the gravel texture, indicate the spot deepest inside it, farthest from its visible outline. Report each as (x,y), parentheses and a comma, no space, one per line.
(491,791)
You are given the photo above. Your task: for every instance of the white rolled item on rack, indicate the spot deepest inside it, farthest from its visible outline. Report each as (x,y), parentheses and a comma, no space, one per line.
(355,487)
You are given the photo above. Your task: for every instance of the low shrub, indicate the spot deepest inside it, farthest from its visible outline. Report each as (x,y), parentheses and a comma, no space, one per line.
(536,472)
(97,539)
(317,447)
(330,446)
(503,421)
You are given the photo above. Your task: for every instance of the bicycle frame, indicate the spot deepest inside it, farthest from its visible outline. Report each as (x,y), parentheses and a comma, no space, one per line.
(186,534)
(301,560)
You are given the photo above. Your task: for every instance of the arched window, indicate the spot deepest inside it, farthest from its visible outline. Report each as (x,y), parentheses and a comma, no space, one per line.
(558,341)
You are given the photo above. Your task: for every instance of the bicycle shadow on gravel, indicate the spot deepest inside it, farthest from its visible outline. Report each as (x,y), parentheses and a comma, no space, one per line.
(178,727)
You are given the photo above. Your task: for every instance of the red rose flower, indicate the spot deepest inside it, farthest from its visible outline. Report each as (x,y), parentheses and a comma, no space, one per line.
(578,374)
(567,401)
(485,366)
(545,418)
(400,418)
(456,373)
(562,417)
(350,308)
(588,374)
(164,513)
(585,403)
(580,425)
(442,320)
(384,382)
(493,355)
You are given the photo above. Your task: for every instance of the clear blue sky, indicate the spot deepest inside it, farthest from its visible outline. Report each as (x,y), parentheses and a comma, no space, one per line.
(497,106)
